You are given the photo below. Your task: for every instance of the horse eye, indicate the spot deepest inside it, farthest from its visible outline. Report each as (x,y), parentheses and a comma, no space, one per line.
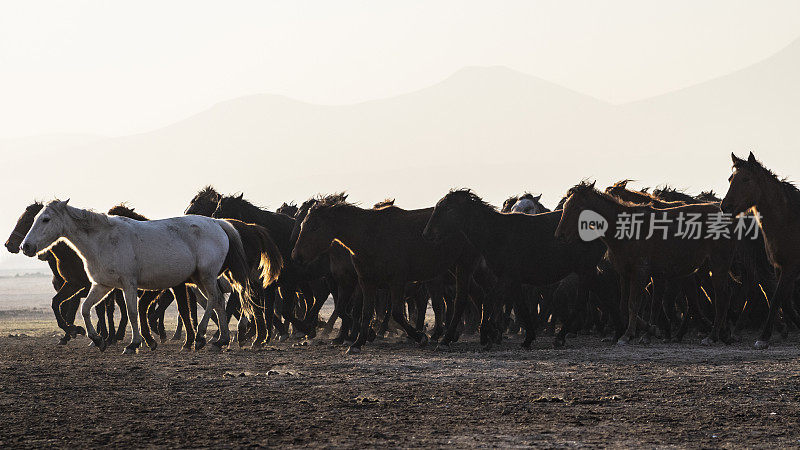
(45,219)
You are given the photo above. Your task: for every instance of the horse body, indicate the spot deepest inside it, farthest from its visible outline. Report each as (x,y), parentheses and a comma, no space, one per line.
(518,248)
(778,205)
(127,254)
(387,250)
(639,258)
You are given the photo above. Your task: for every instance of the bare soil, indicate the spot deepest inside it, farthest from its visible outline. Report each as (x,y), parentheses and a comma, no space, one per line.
(394,394)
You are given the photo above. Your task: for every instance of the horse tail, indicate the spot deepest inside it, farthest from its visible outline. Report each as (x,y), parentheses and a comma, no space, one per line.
(271,261)
(237,268)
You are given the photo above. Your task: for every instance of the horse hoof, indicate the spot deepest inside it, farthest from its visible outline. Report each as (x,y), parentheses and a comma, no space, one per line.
(443,347)
(78,331)
(558,343)
(645,340)
(214,348)
(176,337)
(736,338)
(63,340)
(707,342)
(98,342)
(152,345)
(353,350)
(199,342)
(129,351)
(186,348)
(423,340)
(623,341)
(283,337)
(761,345)
(526,345)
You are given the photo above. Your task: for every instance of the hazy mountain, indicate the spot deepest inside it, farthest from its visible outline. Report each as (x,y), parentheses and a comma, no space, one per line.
(490,128)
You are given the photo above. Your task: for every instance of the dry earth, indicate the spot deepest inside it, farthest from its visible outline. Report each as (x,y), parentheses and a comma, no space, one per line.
(394,394)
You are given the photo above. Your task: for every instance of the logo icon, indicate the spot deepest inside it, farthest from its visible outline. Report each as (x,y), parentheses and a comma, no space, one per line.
(591,225)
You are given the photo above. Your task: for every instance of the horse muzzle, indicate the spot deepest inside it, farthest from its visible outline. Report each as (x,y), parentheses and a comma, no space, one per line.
(28,249)
(11,247)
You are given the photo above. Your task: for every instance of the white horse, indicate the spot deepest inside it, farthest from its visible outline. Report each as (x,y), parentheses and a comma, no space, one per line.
(126,254)
(528,204)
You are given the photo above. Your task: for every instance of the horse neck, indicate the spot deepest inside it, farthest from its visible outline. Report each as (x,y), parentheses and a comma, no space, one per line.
(608,210)
(480,228)
(772,208)
(352,227)
(86,241)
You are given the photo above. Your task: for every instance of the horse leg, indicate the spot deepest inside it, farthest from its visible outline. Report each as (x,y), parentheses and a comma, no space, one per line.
(632,290)
(720,329)
(210,290)
(116,294)
(342,309)
(96,295)
(260,316)
(463,279)
(162,304)
(131,302)
(102,328)
(396,291)
(66,291)
(70,306)
(143,308)
(368,290)
(181,298)
(112,332)
(785,289)
(439,307)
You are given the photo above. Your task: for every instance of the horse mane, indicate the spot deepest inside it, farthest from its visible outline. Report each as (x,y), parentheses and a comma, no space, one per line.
(666,191)
(124,210)
(208,192)
(472,198)
(584,187)
(708,196)
(88,218)
(385,203)
(789,190)
(623,184)
(37,205)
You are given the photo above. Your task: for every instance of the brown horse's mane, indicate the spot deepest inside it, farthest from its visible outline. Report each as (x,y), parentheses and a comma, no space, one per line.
(789,190)
(708,196)
(472,197)
(385,203)
(585,187)
(126,211)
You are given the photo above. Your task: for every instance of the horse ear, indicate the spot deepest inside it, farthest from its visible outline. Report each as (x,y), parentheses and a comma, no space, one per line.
(751,159)
(241,196)
(593,183)
(735,158)
(536,199)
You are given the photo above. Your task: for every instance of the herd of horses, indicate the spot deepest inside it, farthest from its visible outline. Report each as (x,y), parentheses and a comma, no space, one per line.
(520,269)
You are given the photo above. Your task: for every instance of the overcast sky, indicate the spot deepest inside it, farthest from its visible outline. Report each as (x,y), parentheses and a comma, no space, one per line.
(116,68)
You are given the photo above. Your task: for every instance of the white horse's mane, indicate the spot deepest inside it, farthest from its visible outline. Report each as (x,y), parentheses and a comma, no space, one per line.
(85,217)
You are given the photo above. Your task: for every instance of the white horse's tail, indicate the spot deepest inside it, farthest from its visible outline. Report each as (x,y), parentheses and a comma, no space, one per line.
(237,267)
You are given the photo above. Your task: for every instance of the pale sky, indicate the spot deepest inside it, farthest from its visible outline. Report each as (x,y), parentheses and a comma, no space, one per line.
(116,68)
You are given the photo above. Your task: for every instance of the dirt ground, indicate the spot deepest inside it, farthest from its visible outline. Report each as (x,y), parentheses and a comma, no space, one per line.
(394,394)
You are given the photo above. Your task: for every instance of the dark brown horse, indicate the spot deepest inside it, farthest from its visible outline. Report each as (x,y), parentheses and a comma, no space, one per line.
(661,248)
(293,278)
(71,284)
(518,248)
(777,203)
(388,251)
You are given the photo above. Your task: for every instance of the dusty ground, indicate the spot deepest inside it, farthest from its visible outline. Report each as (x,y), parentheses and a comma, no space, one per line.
(394,394)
